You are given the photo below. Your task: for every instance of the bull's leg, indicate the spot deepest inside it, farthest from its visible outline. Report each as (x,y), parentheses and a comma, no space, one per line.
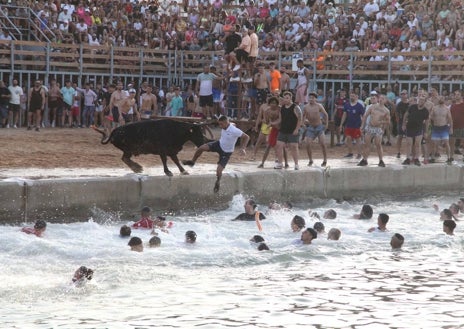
(177,162)
(126,158)
(164,159)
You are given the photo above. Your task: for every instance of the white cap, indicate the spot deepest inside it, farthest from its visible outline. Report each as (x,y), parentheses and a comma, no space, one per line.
(132,91)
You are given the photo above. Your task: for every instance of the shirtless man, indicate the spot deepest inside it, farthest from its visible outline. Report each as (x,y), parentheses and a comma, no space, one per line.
(269,115)
(379,120)
(264,130)
(284,79)
(261,84)
(54,100)
(115,102)
(149,104)
(125,106)
(315,126)
(442,127)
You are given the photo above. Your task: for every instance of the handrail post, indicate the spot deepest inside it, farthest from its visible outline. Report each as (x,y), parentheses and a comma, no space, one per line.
(389,68)
(12,60)
(351,67)
(141,56)
(182,67)
(47,63)
(314,69)
(429,84)
(111,63)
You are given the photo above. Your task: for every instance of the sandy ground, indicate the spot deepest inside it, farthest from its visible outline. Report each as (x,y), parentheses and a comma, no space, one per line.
(80,148)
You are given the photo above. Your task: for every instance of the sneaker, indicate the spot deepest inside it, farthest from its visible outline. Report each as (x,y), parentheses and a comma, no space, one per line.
(323,164)
(417,162)
(236,67)
(381,163)
(261,166)
(358,156)
(407,162)
(449,161)
(247,80)
(37,129)
(349,155)
(297,167)
(15,127)
(234,79)
(29,128)
(398,155)
(188,163)
(388,144)
(339,144)
(310,163)
(53,124)
(362,163)
(431,161)
(278,166)
(7,126)
(286,166)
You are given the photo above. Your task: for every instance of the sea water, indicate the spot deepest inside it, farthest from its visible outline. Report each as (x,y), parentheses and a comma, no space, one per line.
(222,281)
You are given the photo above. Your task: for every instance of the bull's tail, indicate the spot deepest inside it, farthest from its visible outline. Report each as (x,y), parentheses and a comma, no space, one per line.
(105,139)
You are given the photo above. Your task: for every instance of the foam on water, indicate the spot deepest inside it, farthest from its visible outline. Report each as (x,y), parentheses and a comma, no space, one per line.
(223,281)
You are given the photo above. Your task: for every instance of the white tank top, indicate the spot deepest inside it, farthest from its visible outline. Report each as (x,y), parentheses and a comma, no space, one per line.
(301,76)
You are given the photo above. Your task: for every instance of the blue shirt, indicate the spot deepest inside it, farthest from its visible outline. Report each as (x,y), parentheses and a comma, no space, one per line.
(354,114)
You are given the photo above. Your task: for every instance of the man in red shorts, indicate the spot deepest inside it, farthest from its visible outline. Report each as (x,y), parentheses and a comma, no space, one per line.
(353,112)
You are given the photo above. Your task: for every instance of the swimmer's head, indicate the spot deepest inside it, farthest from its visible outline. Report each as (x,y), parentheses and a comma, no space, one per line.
(136,244)
(146,211)
(125,231)
(330,214)
(262,246)
(298,223)
(257,239)
(383,218)
(396,241)
(319,227)
(334,234)
(446,214)
(40,225)
(448,226)
(190,237)
(251,204)
(154,241)
(82,273)
(366,212)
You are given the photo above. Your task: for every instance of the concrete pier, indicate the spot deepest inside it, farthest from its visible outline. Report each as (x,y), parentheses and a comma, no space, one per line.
(72,197)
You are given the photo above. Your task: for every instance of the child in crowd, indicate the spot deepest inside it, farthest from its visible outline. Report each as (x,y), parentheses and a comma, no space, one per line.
(145,220)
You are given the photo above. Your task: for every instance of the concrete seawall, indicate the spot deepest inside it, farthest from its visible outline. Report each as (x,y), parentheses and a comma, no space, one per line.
(57,199)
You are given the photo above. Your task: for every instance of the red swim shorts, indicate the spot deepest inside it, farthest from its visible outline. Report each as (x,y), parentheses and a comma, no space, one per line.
(75,110)
(272,139)
(354,133)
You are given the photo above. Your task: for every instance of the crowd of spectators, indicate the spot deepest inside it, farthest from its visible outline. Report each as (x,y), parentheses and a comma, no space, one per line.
(287,25)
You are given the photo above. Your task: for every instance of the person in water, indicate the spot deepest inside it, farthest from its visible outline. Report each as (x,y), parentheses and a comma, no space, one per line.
(298,223)
(39,228)
(334,234)
(136,244)
(82,275)
(250,212)
(366,212)
(145,220)
(257,239)
(308,235)
(396,241)
(154,242)
(382,221)
(319,227)
(448,226)
(125,231)
(190,237)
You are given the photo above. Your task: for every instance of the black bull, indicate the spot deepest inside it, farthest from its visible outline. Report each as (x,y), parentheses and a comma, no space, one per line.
(162,137)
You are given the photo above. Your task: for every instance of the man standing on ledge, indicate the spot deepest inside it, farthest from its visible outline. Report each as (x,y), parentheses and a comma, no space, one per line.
(224,147)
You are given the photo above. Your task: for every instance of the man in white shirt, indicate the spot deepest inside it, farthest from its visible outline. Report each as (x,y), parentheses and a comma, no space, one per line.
(15,100)
(224,147)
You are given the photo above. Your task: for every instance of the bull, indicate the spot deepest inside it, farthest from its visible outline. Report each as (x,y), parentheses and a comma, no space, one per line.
(162,137)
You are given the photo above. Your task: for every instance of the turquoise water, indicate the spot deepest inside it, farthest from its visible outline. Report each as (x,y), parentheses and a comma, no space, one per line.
(223,281)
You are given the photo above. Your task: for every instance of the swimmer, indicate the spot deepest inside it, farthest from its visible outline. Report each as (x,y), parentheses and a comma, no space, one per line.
(257,239)
(262,246)
(125,231)
(308,235)
(448,226)
(319,227)
(446,214)
(145,220)
(136,244)
(39,228)
(366,212)
(334,234)
(313,214)
(82,275)
(190,237)
(382,221)
(298,223)
(250,211)
(274,205)
(160,222)
(397,241)
(330,214)
(154,242)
